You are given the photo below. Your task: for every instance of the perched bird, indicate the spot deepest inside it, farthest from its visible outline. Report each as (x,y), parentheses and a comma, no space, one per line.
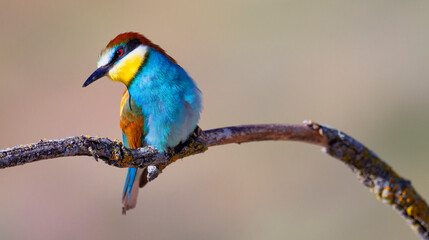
(161,105)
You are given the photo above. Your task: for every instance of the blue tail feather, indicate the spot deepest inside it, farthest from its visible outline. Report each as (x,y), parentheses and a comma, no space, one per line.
(129,182)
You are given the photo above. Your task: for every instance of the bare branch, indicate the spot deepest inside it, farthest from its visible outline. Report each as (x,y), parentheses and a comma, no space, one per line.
(375,174)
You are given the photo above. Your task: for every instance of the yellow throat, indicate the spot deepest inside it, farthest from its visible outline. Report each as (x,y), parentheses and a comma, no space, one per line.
(125,69)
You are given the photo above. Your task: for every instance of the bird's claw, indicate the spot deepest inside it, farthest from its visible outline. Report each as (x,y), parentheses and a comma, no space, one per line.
(197,132)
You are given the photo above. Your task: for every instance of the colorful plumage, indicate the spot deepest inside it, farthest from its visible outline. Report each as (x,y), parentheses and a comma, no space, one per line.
(161,106)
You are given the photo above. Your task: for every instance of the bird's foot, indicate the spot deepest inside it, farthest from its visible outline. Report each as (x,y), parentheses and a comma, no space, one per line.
(197,132)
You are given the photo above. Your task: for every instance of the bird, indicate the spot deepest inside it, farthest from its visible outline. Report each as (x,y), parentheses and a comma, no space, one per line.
(160,106)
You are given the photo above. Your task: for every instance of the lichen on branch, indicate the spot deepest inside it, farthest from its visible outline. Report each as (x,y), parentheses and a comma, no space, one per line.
(375,174)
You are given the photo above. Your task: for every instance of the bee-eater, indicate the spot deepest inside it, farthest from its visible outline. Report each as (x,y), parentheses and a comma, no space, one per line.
(161,105)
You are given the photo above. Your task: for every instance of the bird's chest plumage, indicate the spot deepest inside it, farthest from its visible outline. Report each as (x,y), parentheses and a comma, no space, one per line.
(132,122)
(169,101)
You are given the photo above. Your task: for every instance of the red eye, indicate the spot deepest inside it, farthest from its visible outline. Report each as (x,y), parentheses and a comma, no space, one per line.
(119,52)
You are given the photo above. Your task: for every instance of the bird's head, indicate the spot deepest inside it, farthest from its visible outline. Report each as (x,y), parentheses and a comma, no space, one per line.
(122,58)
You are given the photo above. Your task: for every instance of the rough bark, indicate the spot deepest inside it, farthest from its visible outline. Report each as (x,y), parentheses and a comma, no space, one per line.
(375,174)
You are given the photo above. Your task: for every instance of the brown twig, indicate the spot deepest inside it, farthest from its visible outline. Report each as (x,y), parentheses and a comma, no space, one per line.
(375,174)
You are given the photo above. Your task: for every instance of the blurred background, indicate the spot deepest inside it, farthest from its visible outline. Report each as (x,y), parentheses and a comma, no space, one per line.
(360,66)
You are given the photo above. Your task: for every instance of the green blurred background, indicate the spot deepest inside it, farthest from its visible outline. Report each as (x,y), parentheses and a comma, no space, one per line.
(360,66)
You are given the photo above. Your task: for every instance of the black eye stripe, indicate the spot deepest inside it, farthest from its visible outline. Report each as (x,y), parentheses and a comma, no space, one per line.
(127,48)
(131,45)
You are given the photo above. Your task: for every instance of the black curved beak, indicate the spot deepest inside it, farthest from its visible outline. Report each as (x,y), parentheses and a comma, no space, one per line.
(99,73)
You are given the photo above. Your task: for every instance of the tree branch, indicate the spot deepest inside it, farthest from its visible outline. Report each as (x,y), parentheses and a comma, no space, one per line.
(375,174)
